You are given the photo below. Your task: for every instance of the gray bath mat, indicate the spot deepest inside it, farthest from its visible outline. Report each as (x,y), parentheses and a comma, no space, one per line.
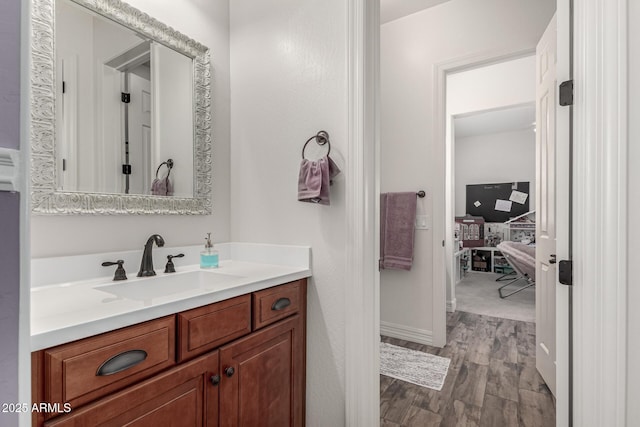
(416,367)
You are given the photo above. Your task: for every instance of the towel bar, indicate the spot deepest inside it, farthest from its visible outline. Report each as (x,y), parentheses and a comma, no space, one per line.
(421,194)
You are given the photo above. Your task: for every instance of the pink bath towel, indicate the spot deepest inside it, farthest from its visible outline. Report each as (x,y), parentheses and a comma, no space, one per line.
(397,223)
(314,180)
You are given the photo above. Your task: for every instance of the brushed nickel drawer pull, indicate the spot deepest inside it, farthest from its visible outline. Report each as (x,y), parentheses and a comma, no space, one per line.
(281,304)
(120,362)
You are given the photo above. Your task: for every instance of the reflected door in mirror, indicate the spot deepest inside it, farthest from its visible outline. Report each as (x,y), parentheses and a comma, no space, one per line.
(124,106)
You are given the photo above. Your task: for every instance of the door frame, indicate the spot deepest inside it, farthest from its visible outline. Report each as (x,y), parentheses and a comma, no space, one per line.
(443,219)
(600,215)
(600,125)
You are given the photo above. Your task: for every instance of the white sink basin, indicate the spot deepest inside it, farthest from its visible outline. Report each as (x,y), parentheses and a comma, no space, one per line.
(147,288)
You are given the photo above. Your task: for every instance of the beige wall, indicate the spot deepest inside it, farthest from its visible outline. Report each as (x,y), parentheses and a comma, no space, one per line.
(208,23)
(409,49)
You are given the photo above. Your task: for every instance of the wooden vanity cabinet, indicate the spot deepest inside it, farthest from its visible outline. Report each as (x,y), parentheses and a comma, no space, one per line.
(211,377)
(181,397)
(263,377)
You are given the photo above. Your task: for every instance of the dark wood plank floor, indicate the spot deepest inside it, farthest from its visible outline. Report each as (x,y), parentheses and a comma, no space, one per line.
(492,380)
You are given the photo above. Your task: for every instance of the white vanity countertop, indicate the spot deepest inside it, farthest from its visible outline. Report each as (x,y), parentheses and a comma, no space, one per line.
(66,310)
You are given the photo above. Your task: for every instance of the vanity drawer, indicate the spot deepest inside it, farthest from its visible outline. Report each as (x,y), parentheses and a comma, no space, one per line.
(273,304)
(205,328)
(85,370)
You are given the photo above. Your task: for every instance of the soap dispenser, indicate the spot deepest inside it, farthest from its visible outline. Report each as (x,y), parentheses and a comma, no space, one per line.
(209,256)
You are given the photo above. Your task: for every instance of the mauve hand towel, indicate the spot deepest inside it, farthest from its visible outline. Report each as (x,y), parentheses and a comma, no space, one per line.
(397,223)
(314,180)
(162,187)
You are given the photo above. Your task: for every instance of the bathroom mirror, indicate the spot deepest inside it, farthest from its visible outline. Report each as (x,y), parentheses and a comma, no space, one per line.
(120,114)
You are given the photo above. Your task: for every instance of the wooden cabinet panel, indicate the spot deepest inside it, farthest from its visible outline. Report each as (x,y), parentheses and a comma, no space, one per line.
(182,397)
(73,371)
(273,304)
(263,377)
(205,328)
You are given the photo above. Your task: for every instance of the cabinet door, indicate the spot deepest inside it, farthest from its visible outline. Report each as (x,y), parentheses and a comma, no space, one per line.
(184,396)
(263,377)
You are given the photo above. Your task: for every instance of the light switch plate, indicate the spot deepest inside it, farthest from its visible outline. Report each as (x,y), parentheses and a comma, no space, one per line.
(422,222)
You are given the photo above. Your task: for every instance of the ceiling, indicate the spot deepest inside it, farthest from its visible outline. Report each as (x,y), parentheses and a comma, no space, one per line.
(394,9)
(510,119)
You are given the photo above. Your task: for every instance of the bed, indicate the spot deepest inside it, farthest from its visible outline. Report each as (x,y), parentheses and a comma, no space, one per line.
(522,258)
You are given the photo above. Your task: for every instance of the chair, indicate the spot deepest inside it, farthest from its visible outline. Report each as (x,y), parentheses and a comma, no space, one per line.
(522,259)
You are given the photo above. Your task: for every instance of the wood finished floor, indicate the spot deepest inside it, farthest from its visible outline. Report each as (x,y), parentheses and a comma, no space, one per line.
(492,380)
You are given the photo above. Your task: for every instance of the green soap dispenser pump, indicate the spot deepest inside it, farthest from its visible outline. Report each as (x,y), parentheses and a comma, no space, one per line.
(209,256)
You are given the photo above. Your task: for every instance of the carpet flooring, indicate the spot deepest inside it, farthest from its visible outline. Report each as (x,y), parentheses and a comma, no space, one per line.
(478,293)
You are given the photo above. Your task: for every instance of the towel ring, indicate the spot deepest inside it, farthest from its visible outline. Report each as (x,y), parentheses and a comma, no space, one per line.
(169,164)
(322,138)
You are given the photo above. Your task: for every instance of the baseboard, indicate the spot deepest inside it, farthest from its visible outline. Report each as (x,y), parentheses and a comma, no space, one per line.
(406,333)
(451,305)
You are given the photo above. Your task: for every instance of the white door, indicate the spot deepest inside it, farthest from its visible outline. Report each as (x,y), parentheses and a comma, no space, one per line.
(140,135)
(545,206)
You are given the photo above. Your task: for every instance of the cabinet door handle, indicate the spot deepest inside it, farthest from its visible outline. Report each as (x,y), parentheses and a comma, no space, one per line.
(281,304)
(121,362)
(552,259)
(215,379)
(229,371)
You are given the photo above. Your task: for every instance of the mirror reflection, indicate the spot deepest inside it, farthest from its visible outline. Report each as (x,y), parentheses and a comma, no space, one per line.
(125,109)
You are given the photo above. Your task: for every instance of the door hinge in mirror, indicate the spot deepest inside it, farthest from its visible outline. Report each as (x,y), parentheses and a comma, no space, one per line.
(565,272)
(126,169)
(126,97)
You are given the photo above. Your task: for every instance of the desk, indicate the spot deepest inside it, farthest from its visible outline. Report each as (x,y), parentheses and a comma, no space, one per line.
(488,259)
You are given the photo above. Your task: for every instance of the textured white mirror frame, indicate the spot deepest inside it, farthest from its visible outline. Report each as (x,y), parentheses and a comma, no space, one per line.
(45,199)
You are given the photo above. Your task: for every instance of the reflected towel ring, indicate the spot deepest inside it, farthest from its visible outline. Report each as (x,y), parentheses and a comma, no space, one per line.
(169,164)
(322,138)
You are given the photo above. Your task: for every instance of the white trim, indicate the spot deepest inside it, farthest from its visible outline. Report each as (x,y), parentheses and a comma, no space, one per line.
(407,333)
(562,219)
(451,305)
(362,316)
(600,213)
(443,218)
(9,169)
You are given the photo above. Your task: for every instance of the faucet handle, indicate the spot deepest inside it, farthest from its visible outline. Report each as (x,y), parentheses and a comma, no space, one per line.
(120,274)
(170,268)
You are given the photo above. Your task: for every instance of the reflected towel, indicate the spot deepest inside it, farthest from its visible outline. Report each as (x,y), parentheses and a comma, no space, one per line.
(314,180)
(162,187)
(397,223)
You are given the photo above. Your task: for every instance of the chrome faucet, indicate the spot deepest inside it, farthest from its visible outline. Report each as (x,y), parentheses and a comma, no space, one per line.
(146,266)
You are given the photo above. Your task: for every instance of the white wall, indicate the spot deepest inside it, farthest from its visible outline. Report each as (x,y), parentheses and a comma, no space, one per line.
(633,355)
(492,158)
(208,23)
(288,67)
(173,116)
(495,86)
(410,47)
